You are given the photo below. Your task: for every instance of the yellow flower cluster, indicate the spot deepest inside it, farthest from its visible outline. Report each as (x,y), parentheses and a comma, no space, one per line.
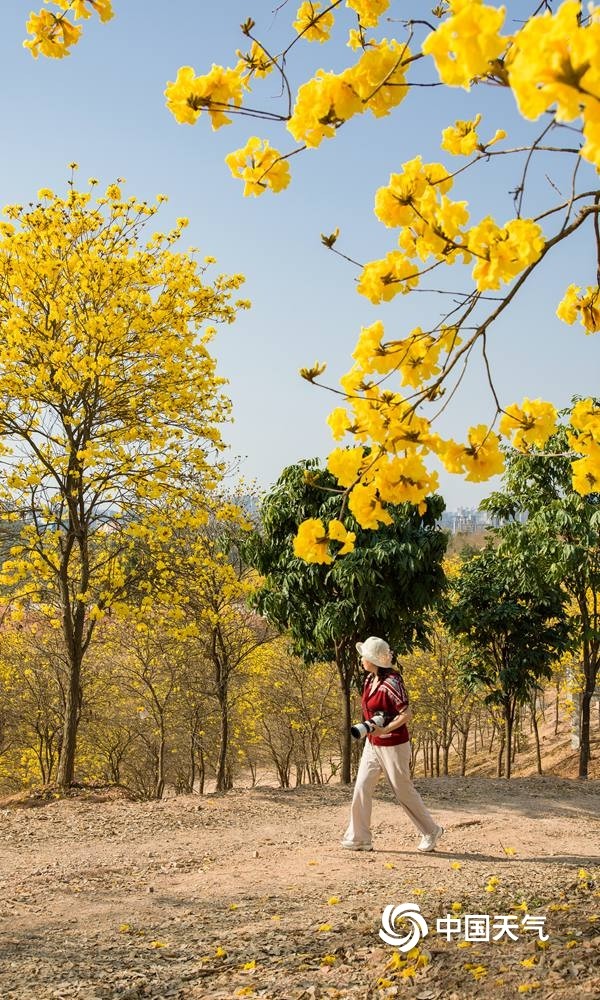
(369,11)
(387,463)
(312,542)
(554,62)
(433,226)
(313,24)
(257,62)
(322,104)
(466,43)
(375,83)
(531,423)
(585,420)
(478,459)
(379,77)
(461,139)
(214,92)
(502,252)
(586,306)
(551,63)
(260,166)
(415,357)
(53,34)
(382,279)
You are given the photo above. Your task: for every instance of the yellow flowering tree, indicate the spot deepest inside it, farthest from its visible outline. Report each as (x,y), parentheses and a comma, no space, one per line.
(443,704)
(288,716)
(547,61)
(109,406)
(210,584)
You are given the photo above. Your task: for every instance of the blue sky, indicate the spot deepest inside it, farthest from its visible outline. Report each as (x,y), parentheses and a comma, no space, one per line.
(104,108)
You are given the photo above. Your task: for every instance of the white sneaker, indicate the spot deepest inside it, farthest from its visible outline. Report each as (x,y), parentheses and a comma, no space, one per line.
(355,847)
(429,840)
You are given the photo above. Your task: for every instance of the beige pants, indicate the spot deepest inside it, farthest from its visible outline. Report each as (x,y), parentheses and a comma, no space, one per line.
(394,762)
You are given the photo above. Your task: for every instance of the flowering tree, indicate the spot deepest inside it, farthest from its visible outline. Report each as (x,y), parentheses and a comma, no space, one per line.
(109,408)
(547,60)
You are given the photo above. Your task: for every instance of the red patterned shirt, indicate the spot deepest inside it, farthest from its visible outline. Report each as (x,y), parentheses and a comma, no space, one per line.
(390,697)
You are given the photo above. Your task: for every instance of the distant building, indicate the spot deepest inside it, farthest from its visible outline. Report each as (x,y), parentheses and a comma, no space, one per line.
(470,520)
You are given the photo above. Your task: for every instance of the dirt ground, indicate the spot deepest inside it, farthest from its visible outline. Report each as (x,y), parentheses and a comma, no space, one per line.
(250,894)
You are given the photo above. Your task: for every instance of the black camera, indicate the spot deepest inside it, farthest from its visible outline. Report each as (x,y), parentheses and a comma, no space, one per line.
(362,728)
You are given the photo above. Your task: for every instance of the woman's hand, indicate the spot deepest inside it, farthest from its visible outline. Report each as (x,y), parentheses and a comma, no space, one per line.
(400,720)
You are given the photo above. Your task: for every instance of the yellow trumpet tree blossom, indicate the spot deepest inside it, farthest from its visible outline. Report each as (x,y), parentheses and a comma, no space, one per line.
(204,596)
(109,406)
(288,717)
(545,57)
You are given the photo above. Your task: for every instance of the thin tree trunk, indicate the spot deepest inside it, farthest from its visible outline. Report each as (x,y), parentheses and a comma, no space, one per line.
(584,747)
(345,676)
(66,764)
(201,772)
(536,734)
(192,764)
(159,785)
(221,784)
(508,737)
(590,670)
(500,757)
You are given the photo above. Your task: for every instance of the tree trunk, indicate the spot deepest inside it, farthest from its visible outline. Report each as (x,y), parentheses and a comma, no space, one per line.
(508,738)
(192,781)
(223,744)
(159,784)
(66,764)
(500,756)
(345,675)
(584,747)
(536,734)
(590,670)
(463,754)
(201,772)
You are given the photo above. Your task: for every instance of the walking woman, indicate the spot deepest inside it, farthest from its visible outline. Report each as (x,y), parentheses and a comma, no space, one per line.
(387,751)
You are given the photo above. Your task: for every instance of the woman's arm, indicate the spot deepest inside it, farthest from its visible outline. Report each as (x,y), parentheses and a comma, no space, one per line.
(399,720)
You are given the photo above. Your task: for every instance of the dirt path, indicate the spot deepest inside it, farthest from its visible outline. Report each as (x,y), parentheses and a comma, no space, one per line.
(249,894)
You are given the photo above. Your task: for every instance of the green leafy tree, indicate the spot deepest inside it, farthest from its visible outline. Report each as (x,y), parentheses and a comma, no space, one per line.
(383,587)
(562,532)
(512,630)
